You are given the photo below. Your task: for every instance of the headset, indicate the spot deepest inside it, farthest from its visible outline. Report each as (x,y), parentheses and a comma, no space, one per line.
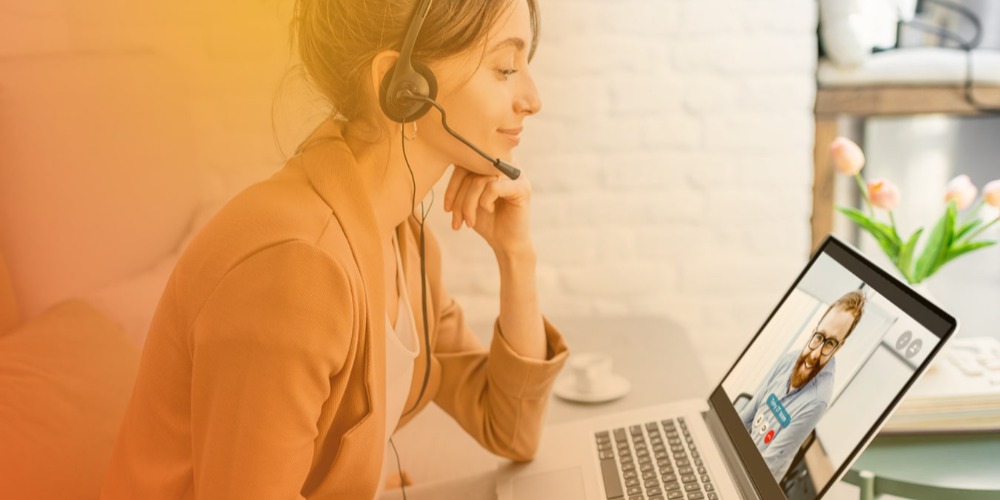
(408,91)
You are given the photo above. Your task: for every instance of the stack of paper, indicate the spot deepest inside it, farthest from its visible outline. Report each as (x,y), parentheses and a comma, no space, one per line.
(959,393)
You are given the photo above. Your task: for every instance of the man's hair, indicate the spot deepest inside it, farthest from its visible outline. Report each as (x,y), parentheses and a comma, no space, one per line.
(852,302)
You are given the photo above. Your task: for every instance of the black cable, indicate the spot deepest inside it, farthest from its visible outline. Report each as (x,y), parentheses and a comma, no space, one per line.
(423,276)
(423,297)
(967,87)
(402,486)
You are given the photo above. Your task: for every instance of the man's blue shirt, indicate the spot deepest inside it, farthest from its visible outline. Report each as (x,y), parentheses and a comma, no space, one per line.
(778,435)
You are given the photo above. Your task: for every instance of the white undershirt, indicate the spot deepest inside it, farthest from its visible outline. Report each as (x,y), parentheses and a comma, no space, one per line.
(401,348)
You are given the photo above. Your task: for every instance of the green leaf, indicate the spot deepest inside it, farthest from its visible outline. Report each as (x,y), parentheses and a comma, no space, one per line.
(906,255)
(966,229)
(964,248)
(937,245)
(884,234)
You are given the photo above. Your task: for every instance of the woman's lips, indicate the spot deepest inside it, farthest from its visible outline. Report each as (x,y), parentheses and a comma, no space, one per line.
(514,134)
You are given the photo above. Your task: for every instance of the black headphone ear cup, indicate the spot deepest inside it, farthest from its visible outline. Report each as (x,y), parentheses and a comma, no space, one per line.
(420,81)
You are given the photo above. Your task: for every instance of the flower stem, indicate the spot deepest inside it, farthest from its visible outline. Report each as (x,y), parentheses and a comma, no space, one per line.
(979,231)
(973,212)
(864,193)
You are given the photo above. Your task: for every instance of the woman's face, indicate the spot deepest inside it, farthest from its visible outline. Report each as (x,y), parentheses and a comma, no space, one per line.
(487,95)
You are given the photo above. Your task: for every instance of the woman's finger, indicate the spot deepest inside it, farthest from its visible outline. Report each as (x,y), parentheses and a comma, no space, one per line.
(512,191)
(458,201)
(475,190)
(458,174)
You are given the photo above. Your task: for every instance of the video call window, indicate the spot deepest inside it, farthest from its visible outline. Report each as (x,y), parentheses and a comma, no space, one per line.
(827,364)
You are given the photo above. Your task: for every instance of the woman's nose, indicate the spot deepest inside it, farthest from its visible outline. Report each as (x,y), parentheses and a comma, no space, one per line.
(529,101)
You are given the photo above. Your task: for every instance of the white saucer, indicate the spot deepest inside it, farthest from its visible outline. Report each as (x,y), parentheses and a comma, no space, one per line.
(613,388)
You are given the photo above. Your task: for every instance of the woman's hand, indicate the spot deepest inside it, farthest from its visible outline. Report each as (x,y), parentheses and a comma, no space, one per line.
(496,207)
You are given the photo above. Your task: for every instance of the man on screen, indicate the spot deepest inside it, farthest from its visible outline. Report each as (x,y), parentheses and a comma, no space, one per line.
(795,394)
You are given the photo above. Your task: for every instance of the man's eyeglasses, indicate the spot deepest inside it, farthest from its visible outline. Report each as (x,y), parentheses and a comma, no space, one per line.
(829,345)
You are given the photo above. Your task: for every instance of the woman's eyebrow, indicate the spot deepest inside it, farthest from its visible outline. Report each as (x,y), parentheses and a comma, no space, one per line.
(517,43)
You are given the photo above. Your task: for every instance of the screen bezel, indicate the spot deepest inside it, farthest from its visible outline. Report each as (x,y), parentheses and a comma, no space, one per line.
(924,312)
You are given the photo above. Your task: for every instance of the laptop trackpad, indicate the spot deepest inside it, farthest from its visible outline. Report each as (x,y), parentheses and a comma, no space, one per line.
(563,484)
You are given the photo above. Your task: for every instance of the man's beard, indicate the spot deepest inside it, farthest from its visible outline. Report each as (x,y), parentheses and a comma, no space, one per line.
(798,380)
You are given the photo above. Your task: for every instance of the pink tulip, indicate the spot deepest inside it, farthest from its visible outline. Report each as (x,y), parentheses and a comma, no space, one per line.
(961,191)
(847,156)
(991,193)
(883,194)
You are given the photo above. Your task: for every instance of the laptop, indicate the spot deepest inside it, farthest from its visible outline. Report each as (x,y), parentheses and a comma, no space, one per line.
(803,400)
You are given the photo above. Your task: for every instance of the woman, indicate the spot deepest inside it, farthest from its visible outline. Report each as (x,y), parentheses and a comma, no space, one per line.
(290,342)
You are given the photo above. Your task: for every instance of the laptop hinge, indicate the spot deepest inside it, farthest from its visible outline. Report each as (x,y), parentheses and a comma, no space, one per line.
(730,456)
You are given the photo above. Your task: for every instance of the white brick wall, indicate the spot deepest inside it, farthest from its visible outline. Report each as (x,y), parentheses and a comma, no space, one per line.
(671,162)
(671,165)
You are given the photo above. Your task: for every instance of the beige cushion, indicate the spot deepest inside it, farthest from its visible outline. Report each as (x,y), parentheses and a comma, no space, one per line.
(65,379)
(912,66)
(98,173)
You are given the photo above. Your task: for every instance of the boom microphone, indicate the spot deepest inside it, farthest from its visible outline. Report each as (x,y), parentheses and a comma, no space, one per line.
(509,170)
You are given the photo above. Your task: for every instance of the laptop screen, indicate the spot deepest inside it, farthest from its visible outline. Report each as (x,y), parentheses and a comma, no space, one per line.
(824,371)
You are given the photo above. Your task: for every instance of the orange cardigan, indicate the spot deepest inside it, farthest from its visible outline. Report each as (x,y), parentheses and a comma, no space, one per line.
(263,375)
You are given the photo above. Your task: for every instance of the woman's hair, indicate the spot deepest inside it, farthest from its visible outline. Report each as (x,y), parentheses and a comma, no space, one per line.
(338,39)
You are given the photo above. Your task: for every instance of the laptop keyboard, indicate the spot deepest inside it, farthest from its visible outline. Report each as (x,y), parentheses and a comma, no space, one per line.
(655,461)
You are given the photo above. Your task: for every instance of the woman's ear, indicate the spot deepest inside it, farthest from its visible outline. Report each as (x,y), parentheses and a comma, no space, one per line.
(382,64)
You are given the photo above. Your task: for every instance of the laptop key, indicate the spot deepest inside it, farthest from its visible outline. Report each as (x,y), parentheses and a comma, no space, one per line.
(671,485)
(612,486)
(649,474)
(692,487)
(674,495)
(635,490)
(632,482)
(689,479)
(696,495)
(709,487)
(629,474)
(713,496)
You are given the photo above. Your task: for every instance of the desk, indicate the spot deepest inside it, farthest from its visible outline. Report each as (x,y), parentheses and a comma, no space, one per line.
(653,353)
(965,467)
(660,361)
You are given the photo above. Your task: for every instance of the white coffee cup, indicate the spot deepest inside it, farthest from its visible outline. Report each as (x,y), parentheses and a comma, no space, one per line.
(590,371)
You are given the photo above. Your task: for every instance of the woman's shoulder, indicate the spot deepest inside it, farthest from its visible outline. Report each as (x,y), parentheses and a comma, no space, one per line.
(279,210)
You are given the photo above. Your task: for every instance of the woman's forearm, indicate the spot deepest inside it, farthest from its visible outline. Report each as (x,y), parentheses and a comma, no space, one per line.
(520,316)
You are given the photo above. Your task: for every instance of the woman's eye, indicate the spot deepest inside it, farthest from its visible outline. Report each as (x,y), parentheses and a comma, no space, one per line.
(506,72)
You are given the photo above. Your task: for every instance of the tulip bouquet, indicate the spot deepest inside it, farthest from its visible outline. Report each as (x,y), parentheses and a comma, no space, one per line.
(952,236)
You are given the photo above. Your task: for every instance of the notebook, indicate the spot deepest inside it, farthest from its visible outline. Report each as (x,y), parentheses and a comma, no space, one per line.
(794,411)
